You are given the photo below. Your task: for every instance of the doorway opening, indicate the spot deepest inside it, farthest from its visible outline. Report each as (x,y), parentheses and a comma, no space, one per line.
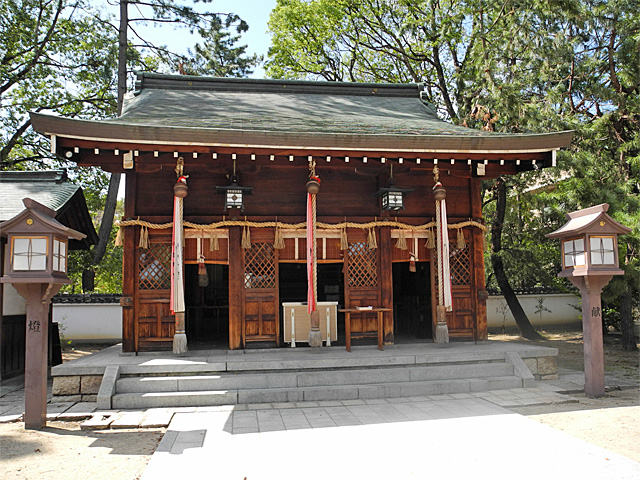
(293,287)
(412,302)
(207,307)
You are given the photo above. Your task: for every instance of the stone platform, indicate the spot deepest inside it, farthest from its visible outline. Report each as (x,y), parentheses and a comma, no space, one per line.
(215,377)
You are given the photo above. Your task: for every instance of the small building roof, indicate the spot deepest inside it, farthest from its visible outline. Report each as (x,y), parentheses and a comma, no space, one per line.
(232,112)
(51,189)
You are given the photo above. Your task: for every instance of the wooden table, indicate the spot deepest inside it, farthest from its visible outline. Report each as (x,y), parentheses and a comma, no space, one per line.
(347,323)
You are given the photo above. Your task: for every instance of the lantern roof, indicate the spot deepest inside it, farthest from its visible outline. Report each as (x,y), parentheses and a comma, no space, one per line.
(592,220)
(41,221)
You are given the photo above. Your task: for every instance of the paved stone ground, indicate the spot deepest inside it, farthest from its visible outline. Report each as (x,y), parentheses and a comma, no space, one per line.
(12,406)
(548,392)
(409,438)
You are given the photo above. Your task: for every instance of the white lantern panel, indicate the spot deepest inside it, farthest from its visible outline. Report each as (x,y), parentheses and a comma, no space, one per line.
(20,262)
(568,260)
(234,198)
(21,246)
(392,200)
(578,246)
(574,254)
(59,256)
(30,254)
(602,252)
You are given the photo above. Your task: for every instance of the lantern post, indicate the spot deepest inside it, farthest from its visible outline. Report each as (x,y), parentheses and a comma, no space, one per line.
(589,249)
(36,265)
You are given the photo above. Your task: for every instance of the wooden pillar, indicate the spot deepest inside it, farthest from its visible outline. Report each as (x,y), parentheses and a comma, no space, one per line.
(479,287)
(591,287)
(129,273)
(386,282)
(236,286)
(38,296)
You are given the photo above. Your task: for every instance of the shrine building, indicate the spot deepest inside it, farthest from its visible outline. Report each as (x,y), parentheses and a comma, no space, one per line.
(247,149)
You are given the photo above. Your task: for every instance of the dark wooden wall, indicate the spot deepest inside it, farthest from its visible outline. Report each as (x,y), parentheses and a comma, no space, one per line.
(347,193)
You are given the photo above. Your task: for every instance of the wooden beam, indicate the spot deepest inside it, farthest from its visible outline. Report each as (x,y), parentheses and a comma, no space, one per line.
(236,287)
(129,273)
(385,248)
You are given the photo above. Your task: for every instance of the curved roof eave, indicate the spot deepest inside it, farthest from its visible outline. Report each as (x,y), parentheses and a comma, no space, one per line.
(135,133)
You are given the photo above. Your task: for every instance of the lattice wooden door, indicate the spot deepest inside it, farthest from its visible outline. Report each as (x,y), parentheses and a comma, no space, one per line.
(154,322)
(261,313)
(461,320)
(361,284)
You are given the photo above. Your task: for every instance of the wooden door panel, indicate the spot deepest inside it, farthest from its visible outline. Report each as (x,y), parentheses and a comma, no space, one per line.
(261,310)
(461,319)
(155,324)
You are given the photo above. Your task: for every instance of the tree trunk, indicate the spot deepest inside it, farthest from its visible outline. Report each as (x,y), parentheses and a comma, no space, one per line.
(626,322)
(122,53)
(517,311)
(107,218)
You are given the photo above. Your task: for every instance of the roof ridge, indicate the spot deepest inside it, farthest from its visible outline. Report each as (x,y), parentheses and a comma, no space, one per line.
(31,176)
(157,81)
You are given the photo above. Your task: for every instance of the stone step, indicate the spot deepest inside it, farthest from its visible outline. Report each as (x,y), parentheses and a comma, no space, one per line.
(312,393)
(227,381)
(328,359)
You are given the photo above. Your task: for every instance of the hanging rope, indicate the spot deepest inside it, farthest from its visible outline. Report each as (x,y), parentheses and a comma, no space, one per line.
(300,226)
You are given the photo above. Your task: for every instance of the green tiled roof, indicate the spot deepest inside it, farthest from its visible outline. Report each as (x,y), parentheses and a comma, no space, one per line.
(285,106)
(48,188)
(172,110)
(51,189)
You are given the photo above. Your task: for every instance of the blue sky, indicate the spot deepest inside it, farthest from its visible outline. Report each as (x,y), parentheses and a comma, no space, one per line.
(254,12)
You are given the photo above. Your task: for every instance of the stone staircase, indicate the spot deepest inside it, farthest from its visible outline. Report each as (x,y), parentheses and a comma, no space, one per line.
(310,377)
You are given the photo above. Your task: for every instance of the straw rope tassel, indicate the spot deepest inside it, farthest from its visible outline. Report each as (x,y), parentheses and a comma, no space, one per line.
(402,241)
(144,238)
(214,244)
(246,238)
(431,241)
(278,243)
(344,242)
(372,243)
(119,237)
(460,243)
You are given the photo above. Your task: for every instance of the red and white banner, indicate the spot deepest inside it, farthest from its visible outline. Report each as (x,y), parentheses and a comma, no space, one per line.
(311,295)
(176,302)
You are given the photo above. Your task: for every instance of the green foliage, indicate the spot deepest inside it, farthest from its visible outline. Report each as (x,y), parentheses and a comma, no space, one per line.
(218,55)
(61,56)
(54,56)
(509,66)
